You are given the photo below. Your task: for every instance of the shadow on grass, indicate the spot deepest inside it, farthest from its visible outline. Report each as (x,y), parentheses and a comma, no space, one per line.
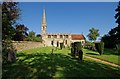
(106,52)
(111,52)
(42,65)
(92,53)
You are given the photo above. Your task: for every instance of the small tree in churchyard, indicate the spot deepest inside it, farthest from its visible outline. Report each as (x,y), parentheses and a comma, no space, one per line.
(100,47)
(76,49)
(94,33)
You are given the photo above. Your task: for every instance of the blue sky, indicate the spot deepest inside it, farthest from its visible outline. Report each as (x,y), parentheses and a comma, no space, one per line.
(69,17)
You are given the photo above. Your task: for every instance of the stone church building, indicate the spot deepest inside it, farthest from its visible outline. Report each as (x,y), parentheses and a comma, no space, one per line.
(57,38)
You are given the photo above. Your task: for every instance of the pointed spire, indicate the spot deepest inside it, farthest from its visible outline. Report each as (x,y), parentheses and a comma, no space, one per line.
(44,22)
(44,17)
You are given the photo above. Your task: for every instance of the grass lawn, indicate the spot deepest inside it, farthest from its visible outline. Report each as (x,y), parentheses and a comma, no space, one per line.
(108,55)
(39,62)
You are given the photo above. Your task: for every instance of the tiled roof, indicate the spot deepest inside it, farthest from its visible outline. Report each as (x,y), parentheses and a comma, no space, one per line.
(77,37)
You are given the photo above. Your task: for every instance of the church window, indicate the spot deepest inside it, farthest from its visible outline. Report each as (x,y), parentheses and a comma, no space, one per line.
(82,42)
(61,36)
(55,36)
(66,36)
(49,36)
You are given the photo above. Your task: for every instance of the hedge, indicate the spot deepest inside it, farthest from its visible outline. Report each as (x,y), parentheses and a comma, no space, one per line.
(76,50)
(78,45)
(100,47)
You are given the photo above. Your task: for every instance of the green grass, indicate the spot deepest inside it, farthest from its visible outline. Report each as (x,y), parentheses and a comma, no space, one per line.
(109,55)
(40,62)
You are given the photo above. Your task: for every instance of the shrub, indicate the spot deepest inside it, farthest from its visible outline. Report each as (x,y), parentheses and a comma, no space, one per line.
(90,46)
(78,45)
(76,49)
(100,47)
(37,39)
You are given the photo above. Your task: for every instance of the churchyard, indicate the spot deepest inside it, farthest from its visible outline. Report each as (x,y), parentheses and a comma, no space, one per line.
(26,55)
(42,62)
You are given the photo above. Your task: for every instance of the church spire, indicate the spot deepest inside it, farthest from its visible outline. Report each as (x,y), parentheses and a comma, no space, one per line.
(44,22)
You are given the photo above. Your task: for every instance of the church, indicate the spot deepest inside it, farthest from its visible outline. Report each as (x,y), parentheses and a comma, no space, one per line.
(54,39)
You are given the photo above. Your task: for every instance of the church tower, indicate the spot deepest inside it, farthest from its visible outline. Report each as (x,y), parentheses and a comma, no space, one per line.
(43,22)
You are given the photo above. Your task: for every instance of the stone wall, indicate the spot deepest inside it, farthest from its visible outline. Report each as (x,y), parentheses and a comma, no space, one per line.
(23,45)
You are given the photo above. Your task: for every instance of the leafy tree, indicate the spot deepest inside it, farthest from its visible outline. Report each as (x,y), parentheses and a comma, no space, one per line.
(117,16)
(31,34)
(10,13)
(20,32)
(31,37)
(94,33)
(113,36)
(117,29)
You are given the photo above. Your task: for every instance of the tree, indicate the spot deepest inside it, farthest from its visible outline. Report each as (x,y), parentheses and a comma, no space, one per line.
(117,16)
(113,36)
(94,33)
(20,32)
(117,29)
(31,36)
(10,13)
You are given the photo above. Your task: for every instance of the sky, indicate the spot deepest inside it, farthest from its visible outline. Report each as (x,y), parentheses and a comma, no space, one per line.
(69,17)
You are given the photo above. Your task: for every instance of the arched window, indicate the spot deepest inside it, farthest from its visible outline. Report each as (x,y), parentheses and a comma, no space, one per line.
(49,36)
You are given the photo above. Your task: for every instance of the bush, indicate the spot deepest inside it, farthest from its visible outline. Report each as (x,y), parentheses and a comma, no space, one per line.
(36,39)
(78,45)
(76,50)
(100,47)
(75,47)
(90,46)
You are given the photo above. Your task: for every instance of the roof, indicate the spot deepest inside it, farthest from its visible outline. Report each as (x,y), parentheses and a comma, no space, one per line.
(77,37)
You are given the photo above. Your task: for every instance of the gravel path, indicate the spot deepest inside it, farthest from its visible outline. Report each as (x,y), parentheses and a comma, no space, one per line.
(102,61)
